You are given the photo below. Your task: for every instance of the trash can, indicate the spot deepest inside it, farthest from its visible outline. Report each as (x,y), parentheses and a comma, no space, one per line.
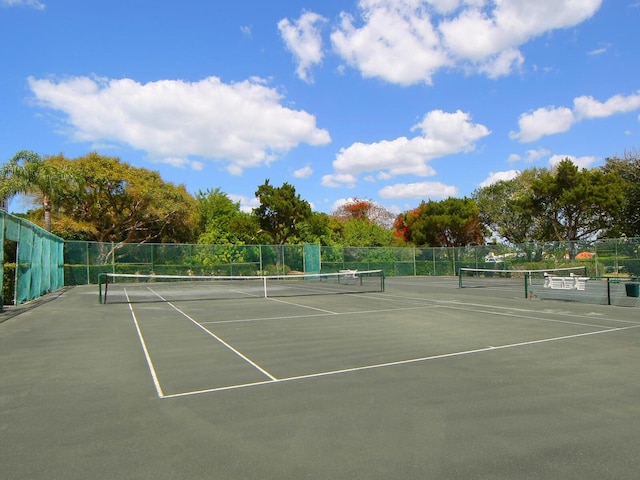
(633,289)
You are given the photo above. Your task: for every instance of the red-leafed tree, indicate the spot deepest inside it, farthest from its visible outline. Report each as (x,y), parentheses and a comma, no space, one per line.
(360,209)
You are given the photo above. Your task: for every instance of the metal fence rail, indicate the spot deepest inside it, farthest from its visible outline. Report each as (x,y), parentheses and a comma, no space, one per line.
(85,261)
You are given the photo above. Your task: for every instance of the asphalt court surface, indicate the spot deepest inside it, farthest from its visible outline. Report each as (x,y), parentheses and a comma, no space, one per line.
(424,380)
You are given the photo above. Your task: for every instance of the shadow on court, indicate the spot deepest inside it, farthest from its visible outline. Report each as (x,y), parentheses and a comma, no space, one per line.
(422,381)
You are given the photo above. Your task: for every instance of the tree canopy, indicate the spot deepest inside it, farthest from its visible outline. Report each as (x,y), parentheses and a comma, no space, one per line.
(563,203)
(101,198)
(28,173)
(281,211)
(109,200)
(221,221)
(452,222)
(626,219)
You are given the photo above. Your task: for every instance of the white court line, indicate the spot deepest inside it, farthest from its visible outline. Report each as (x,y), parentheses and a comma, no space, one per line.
(455,304)
(210,333)
(400,362)
(295,317)
(152,369)
(303,306)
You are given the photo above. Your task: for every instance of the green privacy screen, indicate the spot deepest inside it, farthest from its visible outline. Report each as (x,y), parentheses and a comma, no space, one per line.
(32,260)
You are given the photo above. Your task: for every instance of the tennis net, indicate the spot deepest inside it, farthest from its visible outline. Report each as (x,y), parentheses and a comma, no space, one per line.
(136,288)
(500,278)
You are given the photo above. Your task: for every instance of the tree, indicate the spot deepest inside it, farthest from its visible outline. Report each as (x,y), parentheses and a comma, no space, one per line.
(627,171)
(111,201)
(572,204)
(503,208)
(281,211)
(453,222)
(358,209)
(28,173)
(221,221)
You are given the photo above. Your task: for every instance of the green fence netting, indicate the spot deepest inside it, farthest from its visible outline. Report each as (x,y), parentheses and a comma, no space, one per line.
(84,261)
(32,260)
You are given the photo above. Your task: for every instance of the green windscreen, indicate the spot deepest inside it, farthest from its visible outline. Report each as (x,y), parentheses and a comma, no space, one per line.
(39,265)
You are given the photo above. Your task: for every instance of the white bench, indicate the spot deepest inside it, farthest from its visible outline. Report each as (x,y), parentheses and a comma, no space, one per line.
(572,282)
(347,277)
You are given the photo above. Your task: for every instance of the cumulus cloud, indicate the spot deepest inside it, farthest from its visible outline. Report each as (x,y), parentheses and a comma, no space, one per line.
(303,39)
(418,190)
(552,120)
(407,41)
(397,42)
(441,134)
(242,125)
(588,107)
(543,121)
(495,177)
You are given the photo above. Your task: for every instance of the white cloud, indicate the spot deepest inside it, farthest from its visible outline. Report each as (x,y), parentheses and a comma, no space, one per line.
(588,107)
(407,41)
(304,172)
(242,124)
(552,120)
(442,134)
(495,177)
(339,180)
(418,190)
(302,38)
(397,43)
(23,3)
(580,162)
(597,51)
(543,121)
(530,156)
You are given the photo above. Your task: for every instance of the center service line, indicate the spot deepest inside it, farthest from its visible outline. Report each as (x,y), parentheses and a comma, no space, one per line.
(210,333)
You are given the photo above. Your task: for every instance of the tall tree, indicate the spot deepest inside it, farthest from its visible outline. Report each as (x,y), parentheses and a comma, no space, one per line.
(221,220)
(281,211)
(28,173)
(627,171)
(111,201)
(358,209)
(453,222)
(503,207)
(572,203)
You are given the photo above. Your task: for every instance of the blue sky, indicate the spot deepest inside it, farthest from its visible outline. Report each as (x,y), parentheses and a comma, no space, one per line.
(394,101)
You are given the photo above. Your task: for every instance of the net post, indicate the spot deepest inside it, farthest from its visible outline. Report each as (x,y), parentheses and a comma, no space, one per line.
(526,284)
(460,278)
(264,286)
(100,275)
(608,292)
(383,277)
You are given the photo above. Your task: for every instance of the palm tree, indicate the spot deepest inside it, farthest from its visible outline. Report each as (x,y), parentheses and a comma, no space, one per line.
(29,174)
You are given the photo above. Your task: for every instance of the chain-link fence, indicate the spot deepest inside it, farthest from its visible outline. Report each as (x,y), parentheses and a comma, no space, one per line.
(84,261)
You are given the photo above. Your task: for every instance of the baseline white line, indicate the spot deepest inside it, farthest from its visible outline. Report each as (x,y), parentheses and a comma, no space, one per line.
(400,362)
(210,333)
(152,369)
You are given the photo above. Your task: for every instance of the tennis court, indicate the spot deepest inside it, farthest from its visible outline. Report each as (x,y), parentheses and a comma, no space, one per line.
(421,380)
